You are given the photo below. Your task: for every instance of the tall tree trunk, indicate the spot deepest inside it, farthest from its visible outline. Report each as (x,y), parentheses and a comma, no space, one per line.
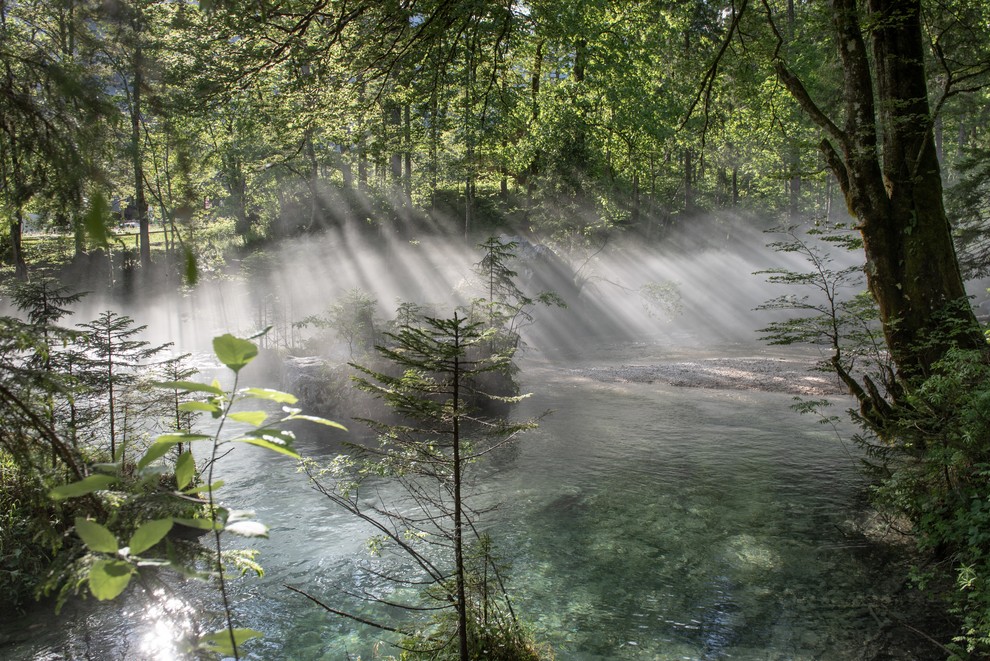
(140,202)
(469,139)
(15,190)
(316,202)
(459,571)
(793,165)
(362,140)
(688,181)
(793,159)
(735,185)
(407,154)
(533,171)
(896,193)
(16,244)
(395,160)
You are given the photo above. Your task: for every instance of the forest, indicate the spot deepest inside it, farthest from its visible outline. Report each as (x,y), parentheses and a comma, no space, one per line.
(399,203)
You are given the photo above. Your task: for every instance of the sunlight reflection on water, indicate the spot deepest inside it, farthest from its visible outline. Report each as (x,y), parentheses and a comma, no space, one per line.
(169,622)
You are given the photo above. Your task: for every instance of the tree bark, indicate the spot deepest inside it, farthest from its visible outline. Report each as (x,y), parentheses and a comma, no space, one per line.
(17,246)
(459,571)
(140,202)
(893,185)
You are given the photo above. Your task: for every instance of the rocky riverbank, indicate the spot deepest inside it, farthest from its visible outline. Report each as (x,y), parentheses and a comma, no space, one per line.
(755,373)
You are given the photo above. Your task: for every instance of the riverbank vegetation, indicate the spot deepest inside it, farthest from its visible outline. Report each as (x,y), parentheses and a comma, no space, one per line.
(149,146)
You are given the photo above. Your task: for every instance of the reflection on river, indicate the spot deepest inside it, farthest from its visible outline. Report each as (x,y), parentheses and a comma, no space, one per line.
(641,522)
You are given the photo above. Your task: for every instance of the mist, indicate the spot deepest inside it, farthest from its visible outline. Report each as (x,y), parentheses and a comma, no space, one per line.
(698,288)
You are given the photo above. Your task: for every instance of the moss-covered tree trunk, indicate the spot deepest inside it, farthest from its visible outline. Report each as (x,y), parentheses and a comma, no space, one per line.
(885,160)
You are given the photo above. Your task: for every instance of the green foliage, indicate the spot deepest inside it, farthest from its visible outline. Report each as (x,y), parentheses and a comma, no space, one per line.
(506,308)
(350,320)
(663,296)
(110,564)
(837,313)
(928,449)
(29,542)
(245,125)
(442,432)
(115,367)
(927,442)
(935,472)
(494,633)
(97,220)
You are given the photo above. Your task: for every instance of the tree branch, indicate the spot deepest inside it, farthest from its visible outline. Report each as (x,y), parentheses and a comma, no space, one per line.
(708,80)
(356,618)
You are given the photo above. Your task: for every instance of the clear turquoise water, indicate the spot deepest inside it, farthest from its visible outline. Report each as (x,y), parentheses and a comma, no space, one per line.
(641,521)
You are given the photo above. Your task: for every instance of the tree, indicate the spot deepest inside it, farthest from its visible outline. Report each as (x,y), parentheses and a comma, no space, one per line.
(507,307)
(117,359)
(883,155)
(440,435)
(925,436)
(51,111)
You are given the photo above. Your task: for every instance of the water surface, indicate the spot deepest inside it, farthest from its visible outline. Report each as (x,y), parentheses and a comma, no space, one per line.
(641,521)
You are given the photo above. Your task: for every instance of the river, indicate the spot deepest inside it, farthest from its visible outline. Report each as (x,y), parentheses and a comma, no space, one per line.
(641,521)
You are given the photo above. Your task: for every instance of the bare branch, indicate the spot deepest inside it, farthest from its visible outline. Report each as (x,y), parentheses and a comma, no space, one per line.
(356,618)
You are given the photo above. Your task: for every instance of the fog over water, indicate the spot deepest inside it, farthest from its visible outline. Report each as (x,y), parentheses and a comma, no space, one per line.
(693,289)
(644,521)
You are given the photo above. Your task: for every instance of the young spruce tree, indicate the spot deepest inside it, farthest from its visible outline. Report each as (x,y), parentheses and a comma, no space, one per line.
(441,432)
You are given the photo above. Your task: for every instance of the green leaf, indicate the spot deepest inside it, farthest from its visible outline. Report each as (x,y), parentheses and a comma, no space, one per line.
(95,536)
(156,451)
(254,418)
(199,406)
(220,642)
(318,420)
(108,578)
(201,524)
(247,529)
(185,469)
(191,386)
(148,534)
(82,487)
(234,352)
(203,488)
(279,436)
(96,220)
(164,443)
(276,447)
(273,395)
